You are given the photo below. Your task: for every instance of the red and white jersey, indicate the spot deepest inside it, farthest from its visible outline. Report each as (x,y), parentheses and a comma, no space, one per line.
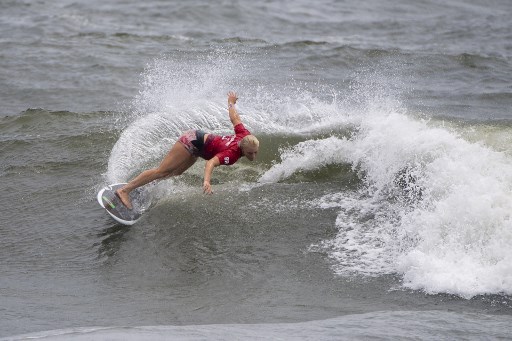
(226,148)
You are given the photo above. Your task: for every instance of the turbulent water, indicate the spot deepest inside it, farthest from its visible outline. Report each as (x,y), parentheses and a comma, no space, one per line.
(379,206)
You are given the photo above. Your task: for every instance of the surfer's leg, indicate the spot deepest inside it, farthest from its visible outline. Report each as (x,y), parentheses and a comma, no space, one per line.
(175,162)
(178,160)
(183,167)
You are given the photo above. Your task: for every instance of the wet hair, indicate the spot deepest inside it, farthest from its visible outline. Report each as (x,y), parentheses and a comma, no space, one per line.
(249,140)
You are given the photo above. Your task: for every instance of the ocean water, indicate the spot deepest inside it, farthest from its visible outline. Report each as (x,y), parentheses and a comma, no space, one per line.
(379,207)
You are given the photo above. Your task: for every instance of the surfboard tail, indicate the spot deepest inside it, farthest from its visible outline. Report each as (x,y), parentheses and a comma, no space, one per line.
(108,199)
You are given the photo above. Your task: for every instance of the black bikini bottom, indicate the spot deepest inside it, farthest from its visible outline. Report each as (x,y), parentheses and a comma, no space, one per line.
(199,141)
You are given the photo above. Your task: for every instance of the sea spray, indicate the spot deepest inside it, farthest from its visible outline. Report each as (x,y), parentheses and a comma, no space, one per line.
(180,93)
(176,94)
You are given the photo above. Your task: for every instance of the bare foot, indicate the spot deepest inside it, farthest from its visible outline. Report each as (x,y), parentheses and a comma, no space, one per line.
(125,198)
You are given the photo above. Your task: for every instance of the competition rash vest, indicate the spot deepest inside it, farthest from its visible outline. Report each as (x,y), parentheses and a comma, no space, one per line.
(226,148)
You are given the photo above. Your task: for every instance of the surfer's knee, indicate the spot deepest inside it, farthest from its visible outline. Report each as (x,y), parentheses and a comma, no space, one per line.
(177,172)
(170,172)
(163,173)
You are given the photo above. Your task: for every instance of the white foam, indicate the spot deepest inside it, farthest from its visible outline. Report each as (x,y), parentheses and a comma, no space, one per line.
(435,207)
(306,156)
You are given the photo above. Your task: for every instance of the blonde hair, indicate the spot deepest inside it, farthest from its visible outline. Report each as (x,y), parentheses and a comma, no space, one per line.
(249,140)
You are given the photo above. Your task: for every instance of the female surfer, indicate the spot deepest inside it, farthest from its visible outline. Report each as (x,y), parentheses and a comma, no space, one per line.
(218,150)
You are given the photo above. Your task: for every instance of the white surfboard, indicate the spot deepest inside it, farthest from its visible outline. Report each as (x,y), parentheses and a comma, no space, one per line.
(108,199)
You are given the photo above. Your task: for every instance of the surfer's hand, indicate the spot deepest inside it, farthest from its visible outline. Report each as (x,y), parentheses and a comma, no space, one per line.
(207,188)
(232,97)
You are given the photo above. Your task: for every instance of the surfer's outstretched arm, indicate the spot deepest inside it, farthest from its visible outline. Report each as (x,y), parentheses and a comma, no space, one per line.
(208,170)
(233,113)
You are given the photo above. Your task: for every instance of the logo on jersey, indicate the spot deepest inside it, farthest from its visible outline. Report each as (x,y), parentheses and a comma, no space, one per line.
(226,160)
(229,138)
